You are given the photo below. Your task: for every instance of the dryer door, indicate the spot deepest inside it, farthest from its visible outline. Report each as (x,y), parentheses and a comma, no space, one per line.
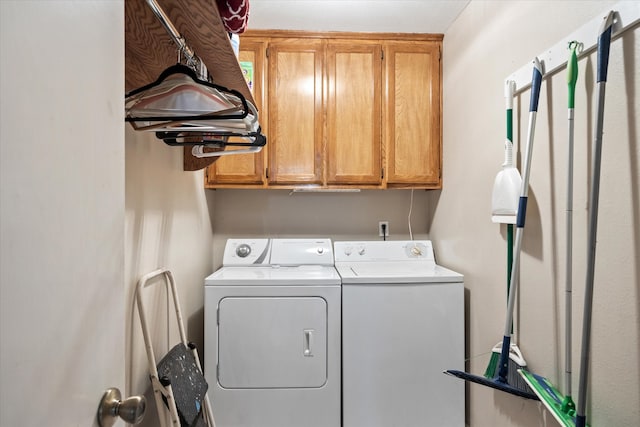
(272,342)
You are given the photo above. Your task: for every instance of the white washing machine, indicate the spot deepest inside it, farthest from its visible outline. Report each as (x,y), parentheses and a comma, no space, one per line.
(402,326)
(272,334)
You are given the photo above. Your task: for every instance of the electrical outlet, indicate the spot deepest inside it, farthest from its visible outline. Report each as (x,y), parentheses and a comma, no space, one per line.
(383,228)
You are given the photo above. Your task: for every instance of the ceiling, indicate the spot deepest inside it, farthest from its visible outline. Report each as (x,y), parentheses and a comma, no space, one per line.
(416,16)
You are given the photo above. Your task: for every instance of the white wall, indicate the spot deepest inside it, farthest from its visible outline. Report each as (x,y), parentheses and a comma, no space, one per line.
(489,41)
(339,216)
(62,210)
(85,199)
(167,225)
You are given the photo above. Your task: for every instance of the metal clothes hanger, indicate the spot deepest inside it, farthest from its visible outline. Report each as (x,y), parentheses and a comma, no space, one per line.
(186,109)
(179,82)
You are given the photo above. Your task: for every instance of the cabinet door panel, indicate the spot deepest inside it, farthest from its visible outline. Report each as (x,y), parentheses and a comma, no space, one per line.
(243,169)
(295,112)
(354,72)
(413,114)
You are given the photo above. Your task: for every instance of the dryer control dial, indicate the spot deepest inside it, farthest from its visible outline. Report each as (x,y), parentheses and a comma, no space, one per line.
(243,250)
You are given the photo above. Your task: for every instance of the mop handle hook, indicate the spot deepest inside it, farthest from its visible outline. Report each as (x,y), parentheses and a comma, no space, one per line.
(576,45)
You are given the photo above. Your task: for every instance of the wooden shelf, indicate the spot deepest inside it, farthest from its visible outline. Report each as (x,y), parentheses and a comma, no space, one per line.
(149,49)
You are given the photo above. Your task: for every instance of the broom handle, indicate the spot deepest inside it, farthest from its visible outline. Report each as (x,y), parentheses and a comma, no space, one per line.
(509,91)
(604,43)
(536,82)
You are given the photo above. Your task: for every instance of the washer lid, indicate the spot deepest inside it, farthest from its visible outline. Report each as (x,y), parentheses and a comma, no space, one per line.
(395,272)
(304,275)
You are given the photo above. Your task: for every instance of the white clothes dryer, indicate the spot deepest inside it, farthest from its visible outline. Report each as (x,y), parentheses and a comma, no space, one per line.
(272,334)
(402,326)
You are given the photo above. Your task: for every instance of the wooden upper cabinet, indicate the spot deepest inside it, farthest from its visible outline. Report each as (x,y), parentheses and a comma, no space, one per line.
(341,110)
(354,93)
(413,114)
(295,103)
(245,169)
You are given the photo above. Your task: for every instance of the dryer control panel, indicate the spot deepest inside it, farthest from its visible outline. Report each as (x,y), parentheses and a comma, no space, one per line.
(278,252)
(295,252)
(247,252)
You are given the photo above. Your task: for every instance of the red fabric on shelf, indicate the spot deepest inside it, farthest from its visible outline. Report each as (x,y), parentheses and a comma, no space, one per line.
(234,14)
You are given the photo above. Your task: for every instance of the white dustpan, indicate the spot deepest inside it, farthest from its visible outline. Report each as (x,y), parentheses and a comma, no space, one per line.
(506,189)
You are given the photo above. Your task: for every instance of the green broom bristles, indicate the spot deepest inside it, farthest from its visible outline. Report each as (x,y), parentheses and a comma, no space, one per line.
(516,361)
(492,367)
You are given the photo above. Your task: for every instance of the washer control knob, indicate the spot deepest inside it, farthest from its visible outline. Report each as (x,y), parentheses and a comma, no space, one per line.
(361,250)
(348,250)
(320,250)
(416,251)
(243,250)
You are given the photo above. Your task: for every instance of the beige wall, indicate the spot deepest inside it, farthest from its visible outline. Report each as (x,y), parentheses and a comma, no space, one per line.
(489,41)
(61,210)
(167,225)
(340,216)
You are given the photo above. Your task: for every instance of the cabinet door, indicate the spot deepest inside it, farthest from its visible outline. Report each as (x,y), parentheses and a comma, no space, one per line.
(245,169)
(413,134)
(295,111)
(354,142)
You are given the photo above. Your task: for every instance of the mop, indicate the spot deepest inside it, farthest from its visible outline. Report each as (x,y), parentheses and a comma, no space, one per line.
(604,43)
(500,382)
(562,407)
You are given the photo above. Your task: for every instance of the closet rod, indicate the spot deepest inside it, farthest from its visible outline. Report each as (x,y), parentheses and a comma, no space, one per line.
(173,32)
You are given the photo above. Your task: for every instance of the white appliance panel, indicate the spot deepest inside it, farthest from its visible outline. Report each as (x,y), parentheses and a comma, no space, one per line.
(305,275)
(402,326)
(302,252)
(274,360)
(397,341)
(275,407)
(272,342)
(419,251)
(395,272)
(247,252)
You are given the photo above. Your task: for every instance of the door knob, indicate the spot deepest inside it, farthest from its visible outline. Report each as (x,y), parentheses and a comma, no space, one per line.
(131,410)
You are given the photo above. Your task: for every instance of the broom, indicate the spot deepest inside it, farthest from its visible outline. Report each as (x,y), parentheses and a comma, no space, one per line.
(504,202)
